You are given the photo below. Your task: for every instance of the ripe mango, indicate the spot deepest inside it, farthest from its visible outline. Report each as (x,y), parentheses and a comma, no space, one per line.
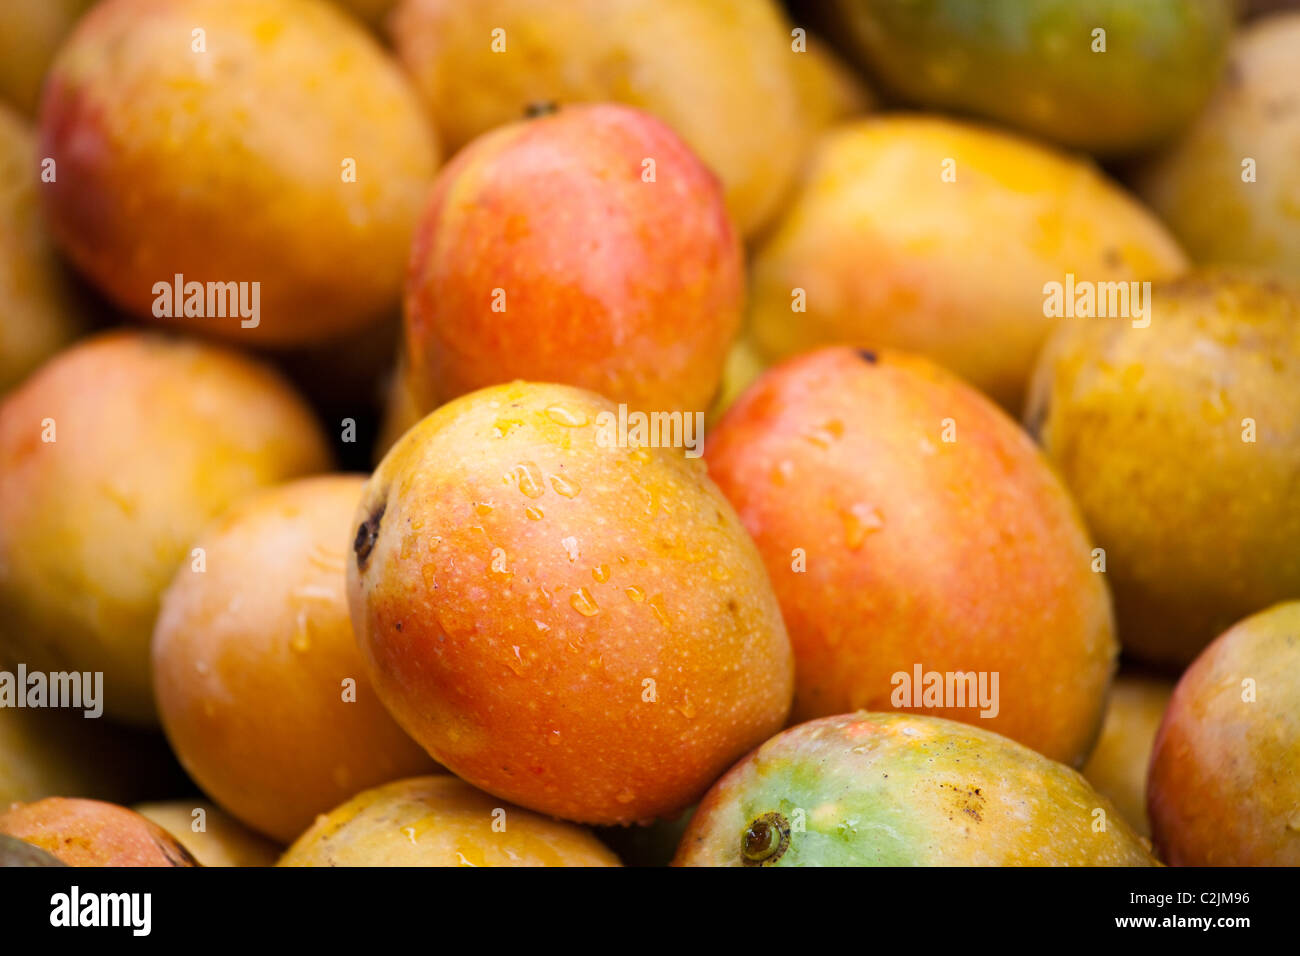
(30,33)
(908,524)
(1224,787)
(551,251)
(39,310)
(872,789)
(113,456)
(260,685)
(938,237)
(573,622)
(441,821)
(1229,187)
(236,141)
(722,74)
(1180,440)
(91,833)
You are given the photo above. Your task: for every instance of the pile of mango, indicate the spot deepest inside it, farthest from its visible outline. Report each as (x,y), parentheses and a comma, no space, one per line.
(599,432)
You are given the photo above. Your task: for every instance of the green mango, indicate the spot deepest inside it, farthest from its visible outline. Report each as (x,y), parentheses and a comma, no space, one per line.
(877,789)
(1042,66)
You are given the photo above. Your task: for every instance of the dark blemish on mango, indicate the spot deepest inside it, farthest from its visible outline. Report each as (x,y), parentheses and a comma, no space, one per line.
(968,800)
(540,108)
(732,606)
(367,535)
(765,840)
(868,356)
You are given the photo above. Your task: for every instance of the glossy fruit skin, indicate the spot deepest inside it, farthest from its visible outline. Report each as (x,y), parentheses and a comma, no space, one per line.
(879,250)
(40,313)
(580,629)
(722,74)
(153,437)
(877,789)
(91,833)
(252,657)
(285,92)
(1031,64)
(223,841)
(543,254)
(1117,768)
(1224,785)
(441,821)
(1199,186)
(1147,425)
(956,556)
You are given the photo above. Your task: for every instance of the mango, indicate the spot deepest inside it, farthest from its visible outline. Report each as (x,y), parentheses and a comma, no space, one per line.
(40,312)
(1229,188)
(260,685)
(912,529)
(1224,786)
(1117,768)
(567,617)
(1180,440)
(113,456)
(211,836)
(247,169)
(92,833)
(873,789)
(30,33)
(441,821)
(938,237)
(722,74)
(1104,76)
(589,248)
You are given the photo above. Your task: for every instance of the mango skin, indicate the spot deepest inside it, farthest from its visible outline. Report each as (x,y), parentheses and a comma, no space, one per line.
(1030,63)
(39,310)
(30,33)
(91,833)
(250,659)
(627,288)
(154,437)
(890,255)
(264,120)
(958,556)
(1196,184)
(224,841)
(1146,427)
(719,73)
(585,631)
(441,821)
(1117,768)
(1224,785)
(873,789)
